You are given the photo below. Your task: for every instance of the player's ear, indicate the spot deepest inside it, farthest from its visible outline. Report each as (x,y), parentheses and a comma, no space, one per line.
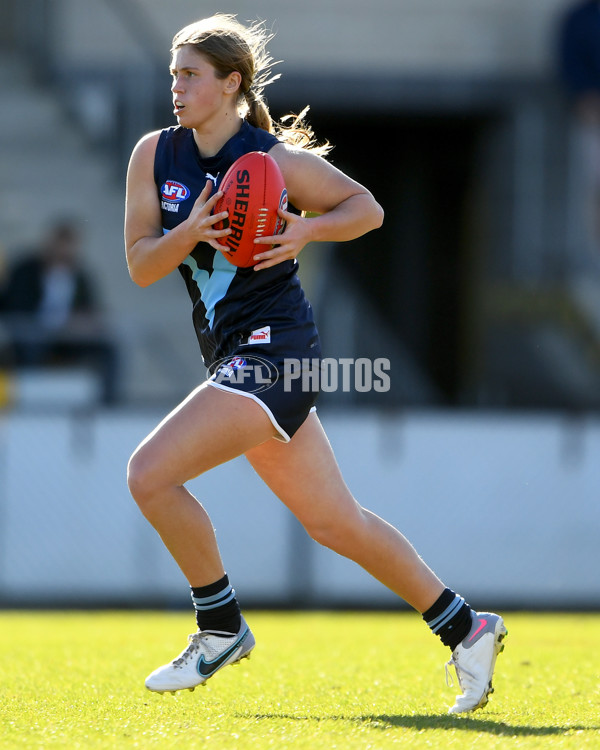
(233,82)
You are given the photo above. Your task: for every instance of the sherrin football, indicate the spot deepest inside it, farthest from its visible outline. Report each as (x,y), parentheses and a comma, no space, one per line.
(253,189)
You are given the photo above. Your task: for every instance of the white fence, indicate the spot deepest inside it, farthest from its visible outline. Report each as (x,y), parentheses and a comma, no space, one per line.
(504,508)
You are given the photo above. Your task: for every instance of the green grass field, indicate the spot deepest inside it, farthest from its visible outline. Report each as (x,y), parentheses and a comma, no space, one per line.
(317,681)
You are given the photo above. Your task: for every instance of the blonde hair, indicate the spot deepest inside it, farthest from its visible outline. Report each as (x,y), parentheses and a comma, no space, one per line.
(230,46)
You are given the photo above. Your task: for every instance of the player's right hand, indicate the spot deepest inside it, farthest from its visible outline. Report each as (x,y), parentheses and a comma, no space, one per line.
(200,223)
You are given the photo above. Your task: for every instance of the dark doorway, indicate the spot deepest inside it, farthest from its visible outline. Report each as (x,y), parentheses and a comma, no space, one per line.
(419,269)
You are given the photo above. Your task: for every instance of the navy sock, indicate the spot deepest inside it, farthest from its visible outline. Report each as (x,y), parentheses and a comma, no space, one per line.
(216,606)
(449,618)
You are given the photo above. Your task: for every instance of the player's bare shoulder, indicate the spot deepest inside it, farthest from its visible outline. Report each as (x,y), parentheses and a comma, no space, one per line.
(144,150)
(313,183)
(289,158)
(140,171)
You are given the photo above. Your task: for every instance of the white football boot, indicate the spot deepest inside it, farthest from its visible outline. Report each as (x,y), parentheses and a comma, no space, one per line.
(206,653)
(474,660)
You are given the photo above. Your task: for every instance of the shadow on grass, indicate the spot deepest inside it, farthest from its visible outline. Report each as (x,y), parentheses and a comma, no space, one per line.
(467,723)
(425,721)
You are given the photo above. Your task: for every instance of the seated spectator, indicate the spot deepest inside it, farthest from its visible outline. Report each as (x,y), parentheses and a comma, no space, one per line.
(50,309)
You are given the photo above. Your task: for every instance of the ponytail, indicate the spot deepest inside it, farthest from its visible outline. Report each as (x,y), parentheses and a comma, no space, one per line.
(298,133)
(258,112)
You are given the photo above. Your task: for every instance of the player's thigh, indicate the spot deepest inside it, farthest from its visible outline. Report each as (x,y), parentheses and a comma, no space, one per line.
(304,474)
(208,428)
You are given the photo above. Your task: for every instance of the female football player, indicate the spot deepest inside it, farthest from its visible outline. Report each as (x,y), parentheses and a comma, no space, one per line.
(219,69)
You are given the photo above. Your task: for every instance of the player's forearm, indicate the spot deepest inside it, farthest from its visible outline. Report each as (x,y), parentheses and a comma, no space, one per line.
(150,259)
(352,218)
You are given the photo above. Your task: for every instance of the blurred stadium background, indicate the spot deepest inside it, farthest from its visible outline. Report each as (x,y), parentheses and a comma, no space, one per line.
(482,288)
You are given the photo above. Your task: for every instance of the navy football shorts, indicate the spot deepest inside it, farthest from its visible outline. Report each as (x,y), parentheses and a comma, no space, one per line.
(285,387)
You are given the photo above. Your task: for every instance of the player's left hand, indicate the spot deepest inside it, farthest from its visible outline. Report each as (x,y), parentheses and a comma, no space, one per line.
(286,246)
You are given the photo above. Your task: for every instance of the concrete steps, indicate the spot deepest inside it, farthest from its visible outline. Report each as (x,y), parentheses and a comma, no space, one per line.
(47,171)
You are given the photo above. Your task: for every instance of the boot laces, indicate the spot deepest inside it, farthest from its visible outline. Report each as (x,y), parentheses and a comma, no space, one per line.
(460,673)
(194,640)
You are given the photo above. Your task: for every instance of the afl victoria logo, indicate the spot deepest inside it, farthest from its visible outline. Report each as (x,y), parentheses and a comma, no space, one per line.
(174,191)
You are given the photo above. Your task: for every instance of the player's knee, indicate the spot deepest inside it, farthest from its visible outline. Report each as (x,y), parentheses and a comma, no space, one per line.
(323,534)
(141,480)
(336,533)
